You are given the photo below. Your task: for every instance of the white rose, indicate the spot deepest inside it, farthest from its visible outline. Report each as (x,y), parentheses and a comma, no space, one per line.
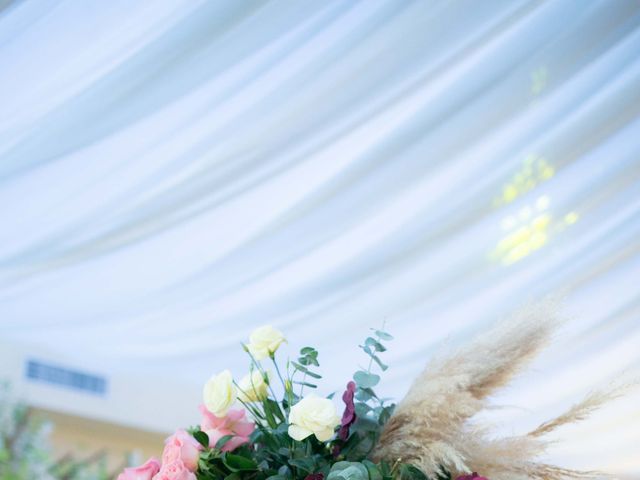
(252,387)
(264,341)
(313,415)
(219,393)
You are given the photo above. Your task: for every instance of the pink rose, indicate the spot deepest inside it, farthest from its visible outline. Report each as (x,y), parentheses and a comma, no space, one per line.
(473,476)
(176,470)
(233,424)
(182,446)
(144,472)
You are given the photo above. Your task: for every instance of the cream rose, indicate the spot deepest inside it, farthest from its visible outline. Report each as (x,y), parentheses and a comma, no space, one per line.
(252,387)
(264,341)
(219,393)
(313,415)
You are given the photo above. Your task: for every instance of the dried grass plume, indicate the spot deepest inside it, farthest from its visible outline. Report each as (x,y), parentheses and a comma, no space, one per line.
(431,426)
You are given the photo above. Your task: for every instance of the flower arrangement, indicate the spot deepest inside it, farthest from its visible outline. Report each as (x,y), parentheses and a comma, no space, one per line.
(299,435)
(294,436)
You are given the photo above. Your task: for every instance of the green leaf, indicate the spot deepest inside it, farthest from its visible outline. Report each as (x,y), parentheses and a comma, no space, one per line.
(202,438)
(238,463)
(308,351)
(212,469)
(379,362)
(304,369)
(277,477)
(365,379)
(365,425)
(365,394)
(305,464)
(348,471)
(362,409)
(376,345)
(284,471)
(284,451)
(233,476)
(385,414)
(306,384)
(374,471)
(268,413)
(223,441)
(383,335)
(443,474)
(409,472)
(274,408)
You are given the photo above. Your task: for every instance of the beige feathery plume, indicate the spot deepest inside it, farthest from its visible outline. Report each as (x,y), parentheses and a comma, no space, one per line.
(581,410)
(430,426)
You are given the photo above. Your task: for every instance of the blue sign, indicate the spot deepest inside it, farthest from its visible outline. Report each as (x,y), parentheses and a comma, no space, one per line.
(66,377)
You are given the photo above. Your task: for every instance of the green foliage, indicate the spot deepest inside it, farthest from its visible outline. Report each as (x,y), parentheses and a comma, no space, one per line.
(372,412)
(306,361)
(348,471)
(273,455)
(25,452)
(365,379)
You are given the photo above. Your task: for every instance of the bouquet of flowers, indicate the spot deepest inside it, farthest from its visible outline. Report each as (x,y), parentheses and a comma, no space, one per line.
(300,435)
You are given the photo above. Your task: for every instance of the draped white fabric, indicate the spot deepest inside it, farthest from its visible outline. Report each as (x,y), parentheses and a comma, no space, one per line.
(174,173)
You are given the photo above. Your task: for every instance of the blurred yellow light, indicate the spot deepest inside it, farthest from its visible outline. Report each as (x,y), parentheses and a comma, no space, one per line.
(571,218)
(541,223)
(531,235)
(535,170)
(547,172)
(530,228)
(510,192)
(517,253)
(537,240)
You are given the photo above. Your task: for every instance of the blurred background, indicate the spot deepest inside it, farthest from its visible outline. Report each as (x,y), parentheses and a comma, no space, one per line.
(175,173)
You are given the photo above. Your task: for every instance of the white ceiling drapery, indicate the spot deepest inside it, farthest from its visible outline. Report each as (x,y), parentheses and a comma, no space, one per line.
(175,173)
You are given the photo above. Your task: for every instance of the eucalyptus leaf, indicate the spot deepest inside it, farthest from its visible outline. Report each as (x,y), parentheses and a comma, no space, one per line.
(375,344)
(374,471)
(365,379)
(362,409)
(379,362)
(365,394)
(363,424)
(348,471)
(284,471)
(383,335)
(306,384)
(305,464)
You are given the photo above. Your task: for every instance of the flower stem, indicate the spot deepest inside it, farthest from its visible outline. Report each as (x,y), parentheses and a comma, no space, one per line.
(287,391)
